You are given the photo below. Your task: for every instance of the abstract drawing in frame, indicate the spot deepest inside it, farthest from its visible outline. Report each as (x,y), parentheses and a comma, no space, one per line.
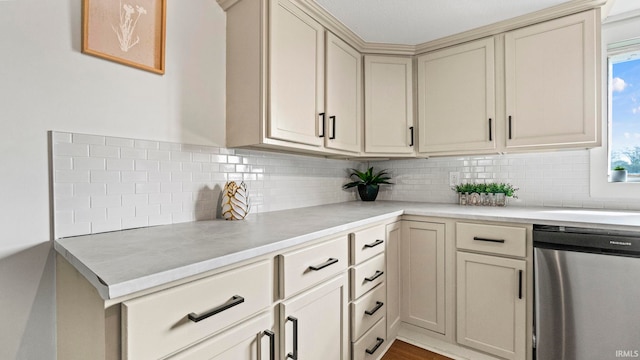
(131,32)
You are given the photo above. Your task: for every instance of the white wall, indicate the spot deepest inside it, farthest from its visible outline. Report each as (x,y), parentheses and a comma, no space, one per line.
(47,84)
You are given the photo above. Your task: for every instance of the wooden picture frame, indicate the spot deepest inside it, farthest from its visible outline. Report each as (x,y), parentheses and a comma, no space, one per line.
(130,32)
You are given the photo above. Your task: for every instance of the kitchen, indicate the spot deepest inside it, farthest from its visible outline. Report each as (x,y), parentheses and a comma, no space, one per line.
(49,85)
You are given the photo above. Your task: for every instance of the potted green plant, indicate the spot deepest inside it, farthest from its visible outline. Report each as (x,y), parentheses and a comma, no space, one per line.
(368,183)
(619,174)
(489,194)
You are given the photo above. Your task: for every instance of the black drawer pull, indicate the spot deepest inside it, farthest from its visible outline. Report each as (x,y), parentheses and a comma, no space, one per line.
(234,301)
(509,127)
(379,342)
(323,124)
(374,244)
(379,304)
(520,284)
(331,261)
(411,129)
(375,276)
(294,355)
(487,239)
(490,135)
(333,122)
(272,344)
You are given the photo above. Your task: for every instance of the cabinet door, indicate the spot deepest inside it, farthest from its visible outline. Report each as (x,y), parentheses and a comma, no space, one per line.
(252,340)
(491,305)
(297,75)
(344,96)
(314,325)
(388,99)
(456,98)
(551,83)
(423,287)
(393,278)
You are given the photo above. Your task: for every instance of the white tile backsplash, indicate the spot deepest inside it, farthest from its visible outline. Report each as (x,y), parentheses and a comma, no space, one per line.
(104,183)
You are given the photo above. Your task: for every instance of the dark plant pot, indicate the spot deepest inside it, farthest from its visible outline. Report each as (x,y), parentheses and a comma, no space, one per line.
(368,192)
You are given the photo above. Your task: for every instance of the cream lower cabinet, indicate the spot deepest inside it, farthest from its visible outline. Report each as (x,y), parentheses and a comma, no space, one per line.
(492,289)
(314,324)
(423,275)
(394,236)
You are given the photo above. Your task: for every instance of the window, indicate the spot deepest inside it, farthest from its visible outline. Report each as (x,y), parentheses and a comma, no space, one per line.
(624,110)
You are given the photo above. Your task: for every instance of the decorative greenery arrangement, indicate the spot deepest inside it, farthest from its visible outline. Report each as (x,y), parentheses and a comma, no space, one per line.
(490,188)
(368,183)
(368,178)
(619,168)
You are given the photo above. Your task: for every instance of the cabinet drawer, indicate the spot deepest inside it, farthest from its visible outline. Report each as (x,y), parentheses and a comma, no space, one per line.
(367,310)
(367,243)
(366,276)
(158,324)
(371,345)
(235,343)
(303,268)
(494,239)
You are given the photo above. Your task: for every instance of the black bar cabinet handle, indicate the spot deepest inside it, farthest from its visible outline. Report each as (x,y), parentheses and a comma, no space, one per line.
(331,261)
(509,127)
(234,301)
(375,276)
(272,344)
(379,342)
(520,284)
(374,244)
(490,132)
(411,130)
(487,239)
(333,122)
(379,304)
(294,355)
(323,124)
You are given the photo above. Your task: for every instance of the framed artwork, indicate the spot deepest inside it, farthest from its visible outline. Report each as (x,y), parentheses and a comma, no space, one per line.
(131,32)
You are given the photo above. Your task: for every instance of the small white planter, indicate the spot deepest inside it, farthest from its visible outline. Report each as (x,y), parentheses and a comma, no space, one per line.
(618,175)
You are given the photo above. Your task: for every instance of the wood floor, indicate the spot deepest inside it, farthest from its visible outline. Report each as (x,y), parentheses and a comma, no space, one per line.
(400,350)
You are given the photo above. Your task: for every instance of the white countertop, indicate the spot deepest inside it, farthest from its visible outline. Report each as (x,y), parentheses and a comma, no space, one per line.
(124,262)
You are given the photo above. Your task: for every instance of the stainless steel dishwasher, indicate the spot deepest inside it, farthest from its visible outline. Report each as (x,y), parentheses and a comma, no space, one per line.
(587,293)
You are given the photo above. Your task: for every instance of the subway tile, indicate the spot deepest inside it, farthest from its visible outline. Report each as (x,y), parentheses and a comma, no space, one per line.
(135,199)
(219,158)
(145,144)
(99,176)
(89,189)
(88,163)
(135,222)
(201,157)
(172,208)
(147,165)
(88,139)
(119,142)
(106,226)
(160,198)
(227,168)
(180,156)
(106,201)
(120,164)
(161,219)
(71,176)
(62,190)
(148,210)
(60,137)
(121,189)
(133,153)
(147,188)
(134,176)
(90,215)
(64,217)
(121,212)
(75,229)
(159,177)
(163,155)
(104,151)
(171,187)
(169,146)
(170,166)
(191,167)
(75,150)
(180,176)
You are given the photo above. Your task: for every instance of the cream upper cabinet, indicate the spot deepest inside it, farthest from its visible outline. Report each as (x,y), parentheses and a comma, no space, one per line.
(456,99)
(423,275)
(297,75)
(552,76)
(343,117)
(388,124)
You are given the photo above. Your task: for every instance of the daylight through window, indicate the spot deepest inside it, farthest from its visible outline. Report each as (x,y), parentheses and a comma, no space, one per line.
(624,111)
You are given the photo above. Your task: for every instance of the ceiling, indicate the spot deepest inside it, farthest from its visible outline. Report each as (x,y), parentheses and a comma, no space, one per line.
(412,22)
